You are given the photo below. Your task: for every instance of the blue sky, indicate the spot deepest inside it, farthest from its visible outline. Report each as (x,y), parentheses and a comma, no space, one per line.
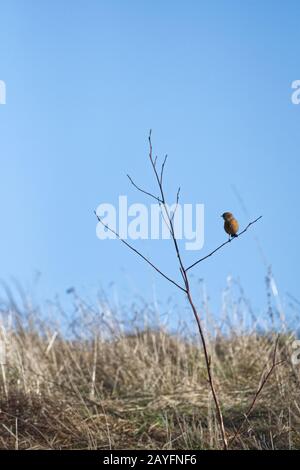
(85,83)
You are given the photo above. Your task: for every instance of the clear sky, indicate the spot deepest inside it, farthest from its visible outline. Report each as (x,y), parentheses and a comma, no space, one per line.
(86,80)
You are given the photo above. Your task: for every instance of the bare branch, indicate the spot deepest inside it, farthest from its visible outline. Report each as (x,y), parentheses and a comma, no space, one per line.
(163,202)
(177,197)
(162,170)
(177,201)
(223,244)
(142,190)
(163,211)
(138,253)
(171,227)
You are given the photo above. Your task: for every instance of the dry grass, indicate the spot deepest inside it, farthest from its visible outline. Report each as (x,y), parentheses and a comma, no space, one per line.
(101,388)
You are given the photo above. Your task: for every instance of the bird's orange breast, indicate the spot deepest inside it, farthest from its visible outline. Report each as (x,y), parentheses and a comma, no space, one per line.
(231,226)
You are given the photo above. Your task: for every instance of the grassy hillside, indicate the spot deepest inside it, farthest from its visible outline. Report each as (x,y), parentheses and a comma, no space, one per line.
(101,386)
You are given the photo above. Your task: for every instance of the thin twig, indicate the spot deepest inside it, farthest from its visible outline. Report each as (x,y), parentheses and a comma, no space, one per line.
(223,244)
(161,189)
(142,190)
(163,210)
(139,253)
(177,197)
(177,201)
(162,170)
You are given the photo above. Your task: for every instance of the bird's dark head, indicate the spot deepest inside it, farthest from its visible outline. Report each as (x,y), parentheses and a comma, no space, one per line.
(227,216)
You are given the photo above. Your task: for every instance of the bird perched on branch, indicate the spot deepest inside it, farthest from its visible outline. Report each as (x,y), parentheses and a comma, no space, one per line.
(231,225)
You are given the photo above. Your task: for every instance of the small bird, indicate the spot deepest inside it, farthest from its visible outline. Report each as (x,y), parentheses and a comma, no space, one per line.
(231,225)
